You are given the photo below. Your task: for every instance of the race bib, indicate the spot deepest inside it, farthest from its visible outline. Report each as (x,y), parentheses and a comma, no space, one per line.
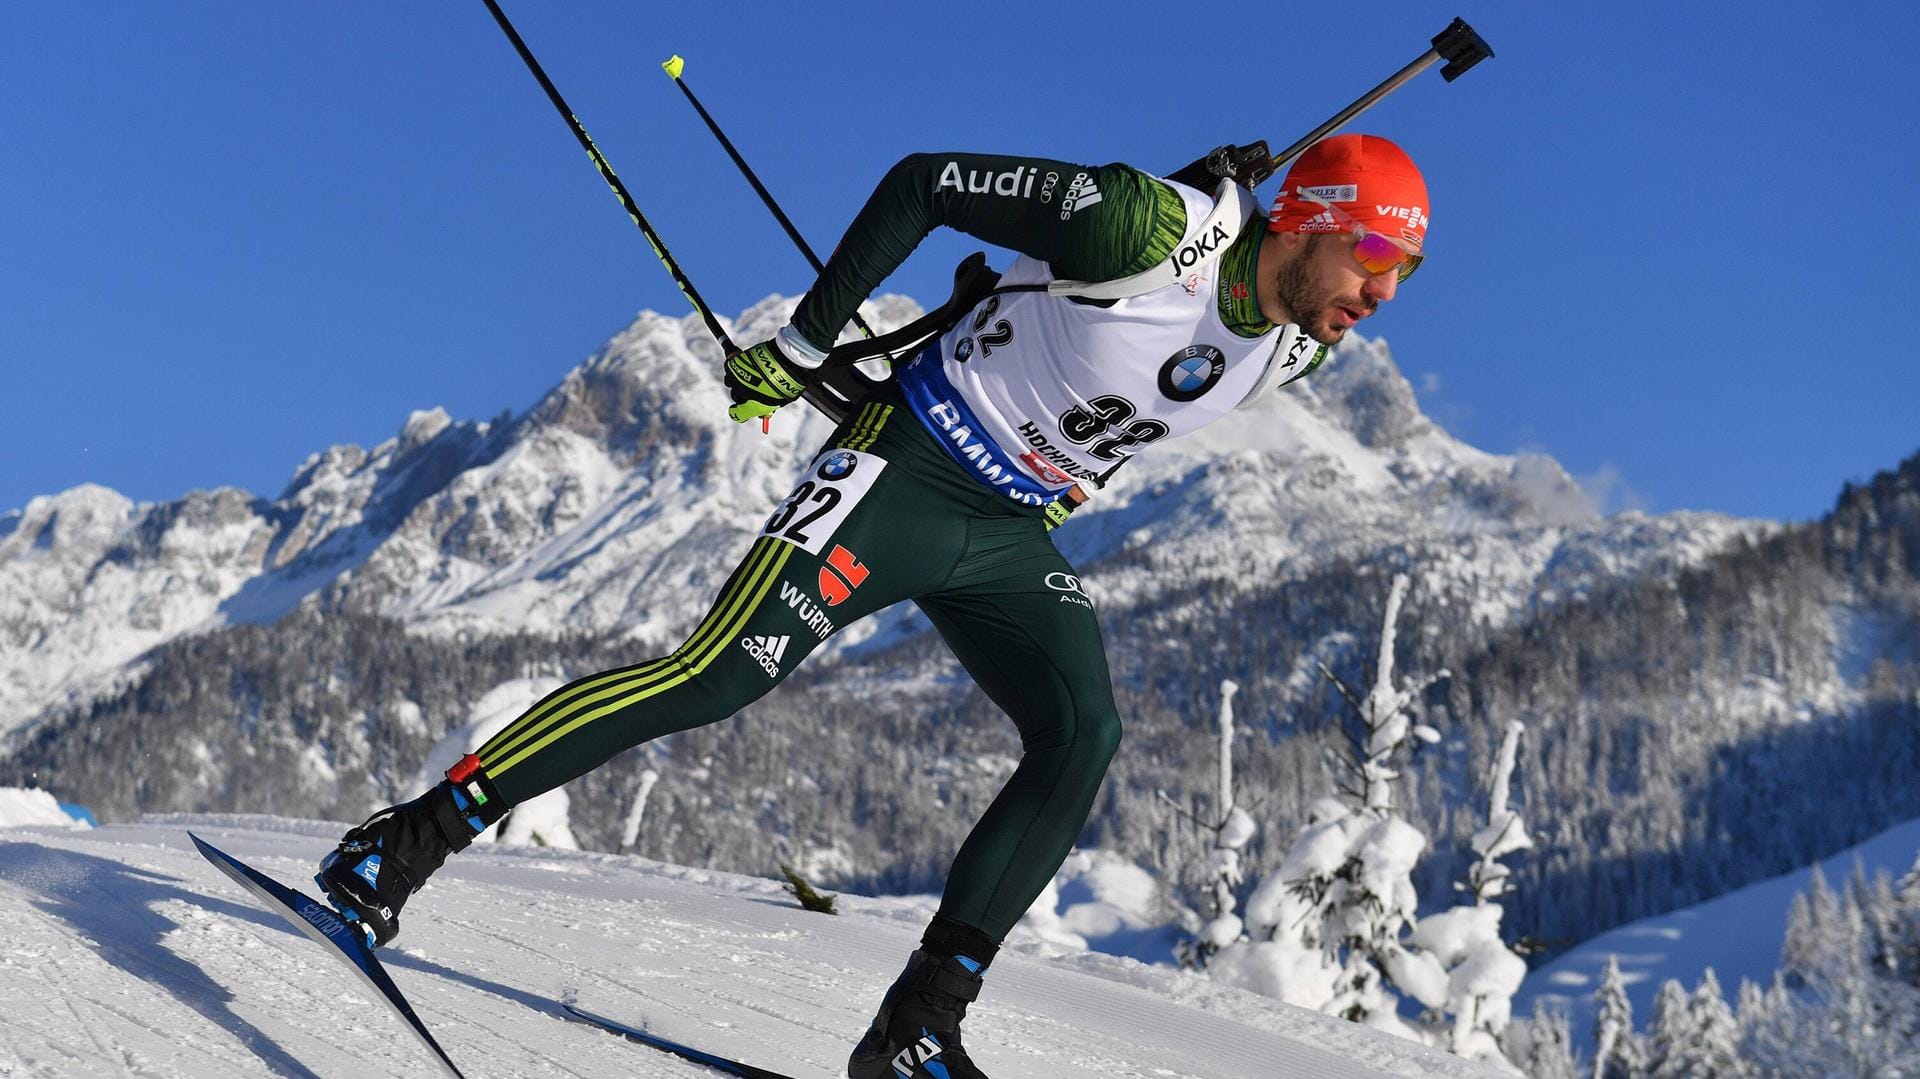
(833,485)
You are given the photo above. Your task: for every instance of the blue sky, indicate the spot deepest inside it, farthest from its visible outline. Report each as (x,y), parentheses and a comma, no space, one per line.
(1673,245)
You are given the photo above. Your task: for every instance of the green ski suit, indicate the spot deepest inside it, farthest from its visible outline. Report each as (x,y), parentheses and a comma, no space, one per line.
(884,514)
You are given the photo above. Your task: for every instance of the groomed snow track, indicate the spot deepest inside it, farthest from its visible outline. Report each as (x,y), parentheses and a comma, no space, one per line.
(126,954)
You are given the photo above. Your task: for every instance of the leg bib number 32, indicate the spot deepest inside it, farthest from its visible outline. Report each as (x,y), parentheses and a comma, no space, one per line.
(828,492)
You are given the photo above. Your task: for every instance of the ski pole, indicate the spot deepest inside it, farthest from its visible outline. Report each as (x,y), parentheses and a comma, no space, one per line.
(674,66)
(613,181)
(819,396)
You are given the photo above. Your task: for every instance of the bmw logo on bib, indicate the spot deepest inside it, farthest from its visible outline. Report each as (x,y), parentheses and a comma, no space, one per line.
(839,465)
(1192,371)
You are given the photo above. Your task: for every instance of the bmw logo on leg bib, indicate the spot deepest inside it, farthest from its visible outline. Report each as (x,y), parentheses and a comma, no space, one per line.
(838,465)
(1191,372)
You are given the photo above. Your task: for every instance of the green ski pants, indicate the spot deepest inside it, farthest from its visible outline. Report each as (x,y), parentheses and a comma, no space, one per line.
(881,515)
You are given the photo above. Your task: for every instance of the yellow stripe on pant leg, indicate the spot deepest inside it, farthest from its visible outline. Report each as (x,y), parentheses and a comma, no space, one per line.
(614,683)
(859,427)
(872,432)
(853,430)
(604,687)
(700,659)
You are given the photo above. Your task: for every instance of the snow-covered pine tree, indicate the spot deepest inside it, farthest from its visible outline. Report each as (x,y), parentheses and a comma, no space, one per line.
(1847,1007)
(1327,929)
(1798,948)
(1230,835)
(1505,832)
(1694,1036)
(1815,933)
(1716,1048)
(1767,1017)
(1617,1053)
(1372,899)
(1482,972)
(1907,922)
(1670,1033)
(1549,1052)
(1291,952)
(1880,914)
(1875,1012)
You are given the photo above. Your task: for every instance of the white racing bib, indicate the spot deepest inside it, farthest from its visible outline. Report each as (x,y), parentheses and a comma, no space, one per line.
(831,487)
(1037,392)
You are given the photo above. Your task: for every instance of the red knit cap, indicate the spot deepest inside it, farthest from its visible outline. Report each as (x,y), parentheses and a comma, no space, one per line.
(1366,176)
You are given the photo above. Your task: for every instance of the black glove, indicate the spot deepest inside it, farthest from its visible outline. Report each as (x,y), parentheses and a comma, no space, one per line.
(761,380)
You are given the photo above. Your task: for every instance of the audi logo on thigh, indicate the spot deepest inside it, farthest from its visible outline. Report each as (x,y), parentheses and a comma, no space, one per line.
(1065,582)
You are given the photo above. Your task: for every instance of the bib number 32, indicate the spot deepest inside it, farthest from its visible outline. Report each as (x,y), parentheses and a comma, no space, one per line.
(832,486)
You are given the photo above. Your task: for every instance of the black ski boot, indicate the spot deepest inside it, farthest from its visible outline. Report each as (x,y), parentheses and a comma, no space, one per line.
(917,1033)
(379,864)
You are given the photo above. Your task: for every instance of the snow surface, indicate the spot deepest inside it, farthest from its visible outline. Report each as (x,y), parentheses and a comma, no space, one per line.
(27,805)
(127,954)
(1099,901)
(1738,934)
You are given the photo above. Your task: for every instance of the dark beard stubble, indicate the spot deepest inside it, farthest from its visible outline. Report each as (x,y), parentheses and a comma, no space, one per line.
(1294,289)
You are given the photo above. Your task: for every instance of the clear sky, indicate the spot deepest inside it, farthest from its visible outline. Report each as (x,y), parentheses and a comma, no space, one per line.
(1673,244)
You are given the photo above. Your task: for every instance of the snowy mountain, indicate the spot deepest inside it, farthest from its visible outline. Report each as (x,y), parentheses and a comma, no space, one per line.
(128,954)
(614,506)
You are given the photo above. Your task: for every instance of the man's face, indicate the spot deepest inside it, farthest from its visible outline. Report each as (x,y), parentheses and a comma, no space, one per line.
(1314,280)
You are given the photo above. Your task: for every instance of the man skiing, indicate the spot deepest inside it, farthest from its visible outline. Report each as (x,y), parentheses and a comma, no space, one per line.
(1140,309)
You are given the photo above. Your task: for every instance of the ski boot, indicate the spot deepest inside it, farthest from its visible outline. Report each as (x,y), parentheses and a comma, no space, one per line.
(917,1033)
(381,863)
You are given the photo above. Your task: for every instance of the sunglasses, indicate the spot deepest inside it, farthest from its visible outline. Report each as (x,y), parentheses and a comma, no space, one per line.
(1375,251)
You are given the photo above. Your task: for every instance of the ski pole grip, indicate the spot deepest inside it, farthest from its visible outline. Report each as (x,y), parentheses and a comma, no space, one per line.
(1461,46)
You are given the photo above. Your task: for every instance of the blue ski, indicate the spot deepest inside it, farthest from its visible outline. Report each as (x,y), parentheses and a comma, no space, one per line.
(336,934)
(684,1052)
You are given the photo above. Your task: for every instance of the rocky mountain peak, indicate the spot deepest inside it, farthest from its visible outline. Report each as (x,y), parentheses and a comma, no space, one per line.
(1363,391)
(86,517)
(423,426)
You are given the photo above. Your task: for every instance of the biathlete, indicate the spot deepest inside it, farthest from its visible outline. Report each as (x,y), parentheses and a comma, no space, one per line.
(1139,309)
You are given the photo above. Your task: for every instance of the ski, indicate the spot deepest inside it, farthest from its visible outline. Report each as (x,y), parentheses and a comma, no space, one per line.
(718,1063)
(327,928)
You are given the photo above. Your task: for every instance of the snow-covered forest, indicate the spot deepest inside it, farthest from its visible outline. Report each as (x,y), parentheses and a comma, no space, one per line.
(1845,1001)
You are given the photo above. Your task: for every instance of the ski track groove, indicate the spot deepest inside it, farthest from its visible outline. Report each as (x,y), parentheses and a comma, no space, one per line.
(697,1014)
(79,1021)
(471,928)
(307,989)
(126,1060)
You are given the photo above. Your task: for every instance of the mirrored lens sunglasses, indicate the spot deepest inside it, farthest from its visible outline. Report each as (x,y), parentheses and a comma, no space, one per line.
(1375,251)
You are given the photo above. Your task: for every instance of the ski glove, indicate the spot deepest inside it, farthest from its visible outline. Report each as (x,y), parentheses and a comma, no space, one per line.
(762,379)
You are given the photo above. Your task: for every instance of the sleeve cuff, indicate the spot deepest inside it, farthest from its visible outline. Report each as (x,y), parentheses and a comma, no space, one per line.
(798,349)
